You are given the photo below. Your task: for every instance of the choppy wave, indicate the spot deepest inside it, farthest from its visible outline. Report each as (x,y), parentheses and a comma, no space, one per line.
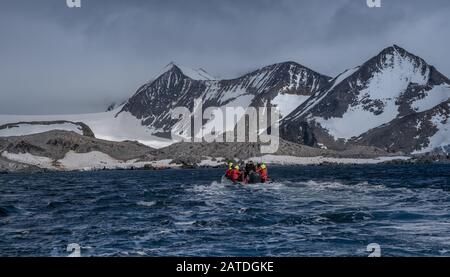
(307,211)
(146,203)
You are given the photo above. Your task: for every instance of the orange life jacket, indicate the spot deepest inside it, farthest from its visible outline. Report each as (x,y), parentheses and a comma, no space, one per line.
(264,175)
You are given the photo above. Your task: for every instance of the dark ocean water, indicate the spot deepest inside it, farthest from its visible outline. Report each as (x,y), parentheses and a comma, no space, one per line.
(307,211)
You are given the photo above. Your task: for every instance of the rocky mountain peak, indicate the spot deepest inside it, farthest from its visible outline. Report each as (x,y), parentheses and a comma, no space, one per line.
(396,57)
(182,71)
(395,92)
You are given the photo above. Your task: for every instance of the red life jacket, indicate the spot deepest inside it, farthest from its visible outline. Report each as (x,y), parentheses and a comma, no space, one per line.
(235,175)
(229,173)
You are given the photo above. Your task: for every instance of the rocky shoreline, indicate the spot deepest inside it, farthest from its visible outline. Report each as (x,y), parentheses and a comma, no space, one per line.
(69,151)
(36,170)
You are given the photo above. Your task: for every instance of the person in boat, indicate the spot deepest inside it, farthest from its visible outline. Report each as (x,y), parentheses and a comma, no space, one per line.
(252,174)
(229,171)
(236,175)
(262,170)
(249,168)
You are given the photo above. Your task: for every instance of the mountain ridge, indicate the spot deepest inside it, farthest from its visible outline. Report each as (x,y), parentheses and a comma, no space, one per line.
(154,101)
(391,85)
(395,94)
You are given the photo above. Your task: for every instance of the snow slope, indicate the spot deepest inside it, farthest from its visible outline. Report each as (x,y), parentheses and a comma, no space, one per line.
(434,97)
(24,129)
(224,118)
(27,158)
(287,103)
(315,99)
(104,125)
(384,88)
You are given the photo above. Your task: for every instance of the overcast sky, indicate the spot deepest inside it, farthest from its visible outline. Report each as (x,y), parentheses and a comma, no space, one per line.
(59,60)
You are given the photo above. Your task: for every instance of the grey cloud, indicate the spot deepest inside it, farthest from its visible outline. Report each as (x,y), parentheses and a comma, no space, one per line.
(59,60)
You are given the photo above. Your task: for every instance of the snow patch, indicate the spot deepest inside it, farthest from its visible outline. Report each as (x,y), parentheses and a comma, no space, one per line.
(24,129)
(287,103)
(233,94)
(217,125)
(344,75)
(356,121)
(212,163)
(99,160)
(27,158)
(433,97)
(441,138)
(91,160)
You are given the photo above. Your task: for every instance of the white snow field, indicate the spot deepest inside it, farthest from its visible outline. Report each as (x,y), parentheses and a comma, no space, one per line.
(104,125)
(24,129)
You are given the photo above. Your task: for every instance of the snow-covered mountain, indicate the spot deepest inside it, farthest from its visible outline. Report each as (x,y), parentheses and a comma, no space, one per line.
(395,101)
(146,116)
(286,85)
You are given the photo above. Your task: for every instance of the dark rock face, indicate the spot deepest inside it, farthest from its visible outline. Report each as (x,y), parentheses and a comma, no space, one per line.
(111,107)
(154,101)
(386,90)
(23,146)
